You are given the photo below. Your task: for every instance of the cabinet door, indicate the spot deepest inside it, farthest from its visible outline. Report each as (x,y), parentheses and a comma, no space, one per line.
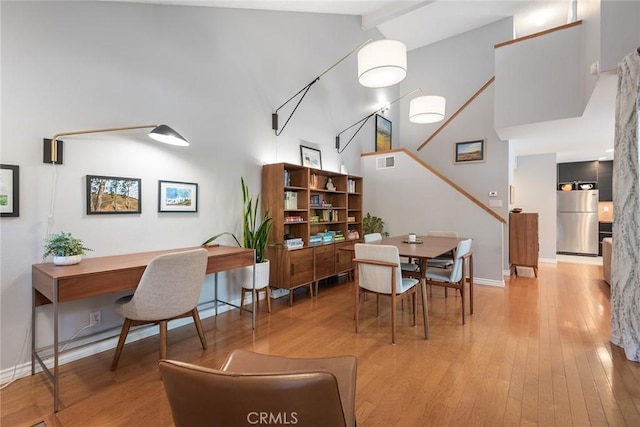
(605,181)
(300,266)
(578,171)
(344,259)
(324,261)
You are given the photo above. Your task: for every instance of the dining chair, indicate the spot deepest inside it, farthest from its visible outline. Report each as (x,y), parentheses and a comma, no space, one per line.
(168,289)
(378,272)
(444,260)
(455,276)
(248,386)
(408,268)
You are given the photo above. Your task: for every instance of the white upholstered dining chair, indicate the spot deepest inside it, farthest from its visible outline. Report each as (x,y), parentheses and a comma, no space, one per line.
(169,289)
(456,276)
(379,273)
(444,260)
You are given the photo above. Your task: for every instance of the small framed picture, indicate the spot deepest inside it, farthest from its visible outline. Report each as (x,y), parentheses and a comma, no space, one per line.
(310,157)
(470,152)
(383,133)
(175,196)
(113,195)
(9,191)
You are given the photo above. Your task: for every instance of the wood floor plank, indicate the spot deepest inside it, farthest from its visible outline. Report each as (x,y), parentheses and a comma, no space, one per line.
(535,353)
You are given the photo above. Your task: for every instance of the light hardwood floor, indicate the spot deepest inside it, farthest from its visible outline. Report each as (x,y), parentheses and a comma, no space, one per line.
(534,353)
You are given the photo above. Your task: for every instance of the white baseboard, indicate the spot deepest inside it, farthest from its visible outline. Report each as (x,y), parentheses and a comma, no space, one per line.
(488,282)
(547,261)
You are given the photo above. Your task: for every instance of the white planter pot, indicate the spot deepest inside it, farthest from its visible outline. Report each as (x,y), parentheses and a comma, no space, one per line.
(262,275)
(67,260)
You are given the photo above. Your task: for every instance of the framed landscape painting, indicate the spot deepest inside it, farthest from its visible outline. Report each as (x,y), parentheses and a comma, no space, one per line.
(383,133)
(175,196)
(113,195)
(9,191)
(310,157)
(470,152)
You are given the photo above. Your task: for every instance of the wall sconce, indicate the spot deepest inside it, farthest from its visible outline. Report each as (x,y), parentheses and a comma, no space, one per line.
(423,109)
(380,64)
(52,152)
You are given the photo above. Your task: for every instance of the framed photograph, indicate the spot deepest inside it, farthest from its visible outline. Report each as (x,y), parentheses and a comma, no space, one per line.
(383,133)
(310,157)
(113,195)
(175,196)
(9,191)
(470,152)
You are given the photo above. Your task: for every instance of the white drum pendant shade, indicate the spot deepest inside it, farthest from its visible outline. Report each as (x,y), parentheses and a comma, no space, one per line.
(427,109)
(382,63)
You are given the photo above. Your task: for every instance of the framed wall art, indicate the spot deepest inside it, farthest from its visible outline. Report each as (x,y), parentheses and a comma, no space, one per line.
(470,152)
(383,133)
(113,195)
(310,157)
(9,191)
(176,196)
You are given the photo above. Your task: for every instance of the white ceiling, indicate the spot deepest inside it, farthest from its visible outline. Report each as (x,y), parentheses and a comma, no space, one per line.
(419,23)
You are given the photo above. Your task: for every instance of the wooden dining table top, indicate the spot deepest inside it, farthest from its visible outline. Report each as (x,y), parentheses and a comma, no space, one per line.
(425,246)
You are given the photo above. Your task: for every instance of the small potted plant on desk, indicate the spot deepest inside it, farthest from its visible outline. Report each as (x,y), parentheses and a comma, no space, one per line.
(255,234)
(65,249)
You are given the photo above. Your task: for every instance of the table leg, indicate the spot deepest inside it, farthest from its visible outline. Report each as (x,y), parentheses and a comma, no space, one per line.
(471,283)
(215,292)
(56,385)
(423,289)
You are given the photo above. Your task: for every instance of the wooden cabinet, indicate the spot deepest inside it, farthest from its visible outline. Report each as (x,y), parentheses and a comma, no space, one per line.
(304,205)
(523,241)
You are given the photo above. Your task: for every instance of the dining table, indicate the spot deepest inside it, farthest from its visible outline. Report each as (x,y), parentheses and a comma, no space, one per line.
(423,248)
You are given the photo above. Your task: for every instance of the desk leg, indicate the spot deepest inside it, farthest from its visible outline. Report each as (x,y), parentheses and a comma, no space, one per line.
(215,292)
(56,385)
(33,332)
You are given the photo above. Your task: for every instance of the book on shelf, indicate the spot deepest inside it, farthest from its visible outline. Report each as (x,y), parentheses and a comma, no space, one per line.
(294,243)
(290,200)
(287,178)
(294,218)
(351,219)
(351,186)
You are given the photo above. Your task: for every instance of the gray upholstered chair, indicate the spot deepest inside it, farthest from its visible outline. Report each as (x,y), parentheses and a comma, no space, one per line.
(379,273)
(169,289)
(248,386)
(456,276)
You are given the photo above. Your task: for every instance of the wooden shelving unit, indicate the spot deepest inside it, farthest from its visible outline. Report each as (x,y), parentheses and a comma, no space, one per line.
(302,206)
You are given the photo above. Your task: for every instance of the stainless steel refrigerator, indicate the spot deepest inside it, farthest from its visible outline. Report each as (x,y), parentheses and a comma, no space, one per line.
(578,222)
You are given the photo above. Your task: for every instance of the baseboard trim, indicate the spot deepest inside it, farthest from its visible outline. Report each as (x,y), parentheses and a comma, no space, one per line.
(548,261)
(488,282)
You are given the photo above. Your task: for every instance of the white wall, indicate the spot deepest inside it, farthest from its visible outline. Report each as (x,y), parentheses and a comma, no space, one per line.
(215,75)
(535,191)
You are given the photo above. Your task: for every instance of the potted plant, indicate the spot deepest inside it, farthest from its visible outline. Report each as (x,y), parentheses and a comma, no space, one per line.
(373,224)
(255,234)
(65,249)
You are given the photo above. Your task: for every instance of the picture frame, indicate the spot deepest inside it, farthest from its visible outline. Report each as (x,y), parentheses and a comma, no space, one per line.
(177,196)
(469,152)
(310,157)
(383,133)
(9,191)
(109,195)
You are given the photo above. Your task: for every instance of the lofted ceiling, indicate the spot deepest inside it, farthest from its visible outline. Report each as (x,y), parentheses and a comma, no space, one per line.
(420,23)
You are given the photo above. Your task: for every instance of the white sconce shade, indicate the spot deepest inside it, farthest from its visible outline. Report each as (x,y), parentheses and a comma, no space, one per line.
(427,109)
(382,63)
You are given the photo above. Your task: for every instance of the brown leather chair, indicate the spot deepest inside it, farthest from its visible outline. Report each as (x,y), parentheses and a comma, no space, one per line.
(255,389)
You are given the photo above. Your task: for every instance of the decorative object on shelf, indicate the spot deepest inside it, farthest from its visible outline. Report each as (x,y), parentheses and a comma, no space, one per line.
(470,151)
(516,210)
(175,196)
(52,152)
(586,186)
(566,187)
(330,185)
(113,195)
(383,133)
(310,157)
(254,234)
(65,249)
(9,191)
(380,64)
(417,111)
(373,224)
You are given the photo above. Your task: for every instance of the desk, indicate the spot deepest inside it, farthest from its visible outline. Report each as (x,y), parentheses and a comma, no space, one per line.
(104,275)
(430,247)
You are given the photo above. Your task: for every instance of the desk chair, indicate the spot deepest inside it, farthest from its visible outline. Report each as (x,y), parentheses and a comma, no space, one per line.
(169,289)
(379,273)
(456,276)
(306,392)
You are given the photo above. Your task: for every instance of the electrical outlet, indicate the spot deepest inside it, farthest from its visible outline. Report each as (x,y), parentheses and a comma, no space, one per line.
(95,318)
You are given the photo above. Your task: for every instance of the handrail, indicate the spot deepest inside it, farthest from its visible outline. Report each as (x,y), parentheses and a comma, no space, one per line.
(453,116)
(444,178)
(534,35)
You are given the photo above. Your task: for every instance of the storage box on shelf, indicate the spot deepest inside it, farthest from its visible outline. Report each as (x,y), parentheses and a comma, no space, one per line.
(323,209)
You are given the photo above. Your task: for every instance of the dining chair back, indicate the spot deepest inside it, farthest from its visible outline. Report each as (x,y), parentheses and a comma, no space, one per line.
(168,289)
(372,237)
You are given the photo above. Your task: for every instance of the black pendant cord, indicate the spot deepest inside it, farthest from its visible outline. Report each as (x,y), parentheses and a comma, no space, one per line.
(275,115)
(362,122)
